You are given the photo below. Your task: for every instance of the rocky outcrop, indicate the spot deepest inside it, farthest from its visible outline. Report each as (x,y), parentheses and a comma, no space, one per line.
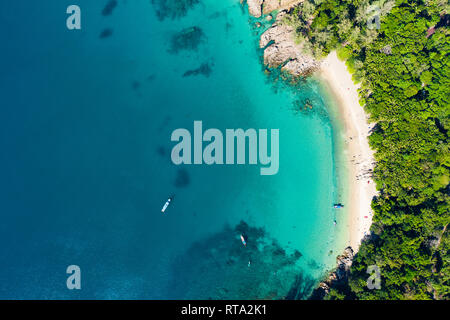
(344,262)
(258,7)
(278,42)
(336,278)
(270,5)
(280,49)
(255,7)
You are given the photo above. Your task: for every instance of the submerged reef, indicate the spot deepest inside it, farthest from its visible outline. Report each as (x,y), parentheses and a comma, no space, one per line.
(182,180)
(161,151)
(106,33)
(221,267)
(109,7)
(305,100)
(301,288)
(186,39)
(172,9)
(205,70)
(135,85)
(307,105)
(302,106)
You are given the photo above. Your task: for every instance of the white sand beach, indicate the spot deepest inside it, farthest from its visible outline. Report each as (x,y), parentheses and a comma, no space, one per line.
(359,154)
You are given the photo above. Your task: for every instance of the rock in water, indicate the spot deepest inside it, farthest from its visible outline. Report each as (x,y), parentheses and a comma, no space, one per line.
(336,278)
(254,7)
(270,5)
(281,49)
(344,263)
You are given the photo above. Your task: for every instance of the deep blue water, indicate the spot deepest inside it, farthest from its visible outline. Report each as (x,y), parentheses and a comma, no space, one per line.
(85,125)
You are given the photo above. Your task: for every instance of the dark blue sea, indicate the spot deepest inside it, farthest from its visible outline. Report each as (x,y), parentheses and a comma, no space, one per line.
(86,118)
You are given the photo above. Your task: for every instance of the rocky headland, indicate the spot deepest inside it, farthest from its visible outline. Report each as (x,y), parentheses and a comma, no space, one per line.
(278,42)
(256,8)
(337,277)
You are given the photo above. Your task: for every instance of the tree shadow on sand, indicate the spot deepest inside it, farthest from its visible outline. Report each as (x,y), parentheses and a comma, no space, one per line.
(221,267)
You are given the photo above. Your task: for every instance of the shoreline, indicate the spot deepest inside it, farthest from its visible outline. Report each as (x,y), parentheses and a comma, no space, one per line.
(337,78)
(334,75)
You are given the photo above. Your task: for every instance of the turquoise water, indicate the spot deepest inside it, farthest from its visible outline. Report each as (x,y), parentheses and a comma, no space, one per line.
(85,163)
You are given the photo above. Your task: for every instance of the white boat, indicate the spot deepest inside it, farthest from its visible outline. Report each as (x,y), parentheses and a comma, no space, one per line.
(243,240)
(166,205)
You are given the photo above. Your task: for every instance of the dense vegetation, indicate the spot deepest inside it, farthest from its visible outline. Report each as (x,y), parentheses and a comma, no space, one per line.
(403,69)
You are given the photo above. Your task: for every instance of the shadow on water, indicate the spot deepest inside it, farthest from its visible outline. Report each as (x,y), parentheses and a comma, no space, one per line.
(172,9)
(221,267)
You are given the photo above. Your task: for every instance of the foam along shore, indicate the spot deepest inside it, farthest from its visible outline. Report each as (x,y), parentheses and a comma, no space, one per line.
(356,128)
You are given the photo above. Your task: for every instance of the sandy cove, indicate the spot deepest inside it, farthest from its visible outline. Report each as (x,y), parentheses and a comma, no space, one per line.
(361,161)
(281,49)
